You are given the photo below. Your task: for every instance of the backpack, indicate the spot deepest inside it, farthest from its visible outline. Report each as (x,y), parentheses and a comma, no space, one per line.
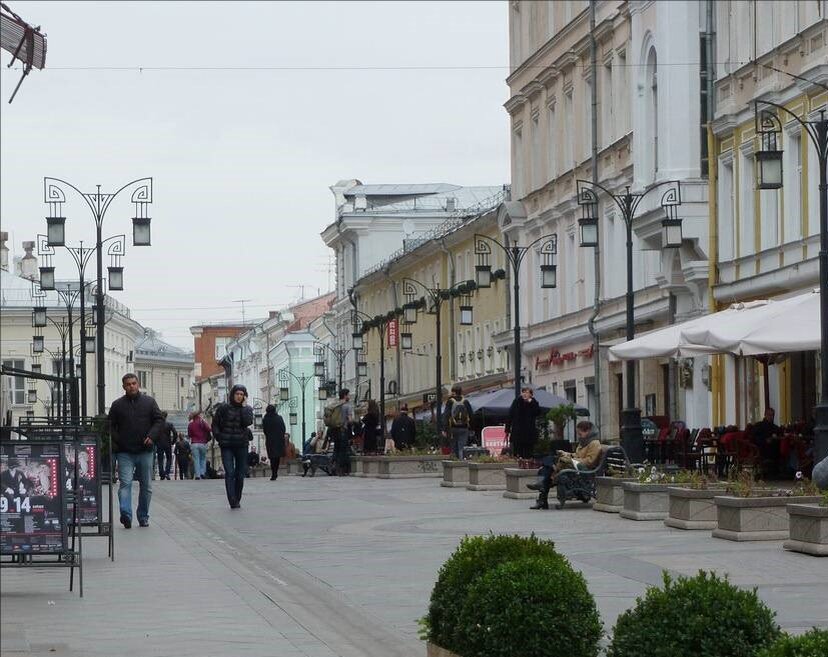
(459,414)
(333,416)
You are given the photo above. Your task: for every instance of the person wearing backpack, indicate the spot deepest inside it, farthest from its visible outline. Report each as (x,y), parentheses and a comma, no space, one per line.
(457,420)
(338,418)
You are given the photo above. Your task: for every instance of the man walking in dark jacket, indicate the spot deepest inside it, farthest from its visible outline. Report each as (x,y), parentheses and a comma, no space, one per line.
(403,430)
(163,447)
(230,428)
(136,422)
(521,425)
(274,430)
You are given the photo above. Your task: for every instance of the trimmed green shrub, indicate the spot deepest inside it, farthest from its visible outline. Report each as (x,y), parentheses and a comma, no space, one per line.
(473,558)
(810,644)
(702,616)
(532,607)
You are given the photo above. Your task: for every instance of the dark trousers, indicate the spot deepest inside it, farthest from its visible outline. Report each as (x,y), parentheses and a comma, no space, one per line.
(522,447)
(274,466)
(183,468)
(234,460)
(164,461)
(342,451)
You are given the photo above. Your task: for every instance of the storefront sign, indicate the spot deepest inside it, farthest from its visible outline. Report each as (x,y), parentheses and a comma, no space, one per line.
(393,333)
(31,498)
(494,439)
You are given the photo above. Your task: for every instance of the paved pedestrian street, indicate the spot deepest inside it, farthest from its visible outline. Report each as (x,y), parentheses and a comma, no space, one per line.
(318,567)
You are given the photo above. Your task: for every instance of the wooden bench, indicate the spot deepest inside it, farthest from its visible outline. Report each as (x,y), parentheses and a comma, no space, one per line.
(580,484)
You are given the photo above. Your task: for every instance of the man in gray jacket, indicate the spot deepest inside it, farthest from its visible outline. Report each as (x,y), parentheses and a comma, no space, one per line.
(136,422)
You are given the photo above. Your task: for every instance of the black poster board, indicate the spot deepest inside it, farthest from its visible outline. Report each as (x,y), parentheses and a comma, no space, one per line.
(89,481)
(32,513)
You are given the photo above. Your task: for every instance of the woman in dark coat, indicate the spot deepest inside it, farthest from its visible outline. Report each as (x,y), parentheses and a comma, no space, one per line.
(370,432)
(521,426)
(274,430)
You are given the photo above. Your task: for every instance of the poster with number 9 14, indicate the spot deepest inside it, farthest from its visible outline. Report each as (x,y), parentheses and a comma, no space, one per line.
(31,504)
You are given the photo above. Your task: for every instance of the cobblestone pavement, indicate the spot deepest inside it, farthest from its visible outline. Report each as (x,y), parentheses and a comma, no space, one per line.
(327,567)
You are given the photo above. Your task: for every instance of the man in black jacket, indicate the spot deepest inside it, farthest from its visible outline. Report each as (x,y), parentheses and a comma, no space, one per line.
(403,430)
(230,428)
(274,430)
(163,447)
(136,422)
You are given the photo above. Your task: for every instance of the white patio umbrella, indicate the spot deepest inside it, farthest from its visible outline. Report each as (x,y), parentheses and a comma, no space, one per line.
(773,327)
(668,341)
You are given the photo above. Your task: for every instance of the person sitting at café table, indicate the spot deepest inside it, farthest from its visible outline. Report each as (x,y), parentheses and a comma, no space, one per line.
(585,457)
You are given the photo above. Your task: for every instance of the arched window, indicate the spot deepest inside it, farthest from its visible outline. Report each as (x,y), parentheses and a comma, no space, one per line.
(651,105)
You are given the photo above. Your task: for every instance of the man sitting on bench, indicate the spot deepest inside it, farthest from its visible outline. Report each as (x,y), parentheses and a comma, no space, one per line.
(585,457)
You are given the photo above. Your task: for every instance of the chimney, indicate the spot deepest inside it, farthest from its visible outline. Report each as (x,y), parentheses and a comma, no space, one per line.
(28,264)
(4,251)
(271,314)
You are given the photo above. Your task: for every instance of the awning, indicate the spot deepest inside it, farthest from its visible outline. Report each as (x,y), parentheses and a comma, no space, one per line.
(775,327)
(744,329)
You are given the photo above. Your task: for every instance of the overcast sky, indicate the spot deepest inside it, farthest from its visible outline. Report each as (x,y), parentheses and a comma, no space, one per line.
(242,159)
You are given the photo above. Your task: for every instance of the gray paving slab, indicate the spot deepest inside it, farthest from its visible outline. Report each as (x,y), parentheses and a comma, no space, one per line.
(343,567)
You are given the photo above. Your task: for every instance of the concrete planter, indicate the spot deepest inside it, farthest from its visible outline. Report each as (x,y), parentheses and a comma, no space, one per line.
(356,466)
(808,525)
(433,650)
(644,501)
(609,495)
(488,476)
(455,474)
(409,467)
(516,480)
(370,466)
(754,518)
(294,467)
(692,508)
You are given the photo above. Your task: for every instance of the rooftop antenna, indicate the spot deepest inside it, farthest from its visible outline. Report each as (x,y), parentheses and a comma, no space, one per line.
(242,302)
(301,289)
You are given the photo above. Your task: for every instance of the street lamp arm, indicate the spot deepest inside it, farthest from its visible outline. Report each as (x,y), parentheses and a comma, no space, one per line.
(53,194)
(809,126)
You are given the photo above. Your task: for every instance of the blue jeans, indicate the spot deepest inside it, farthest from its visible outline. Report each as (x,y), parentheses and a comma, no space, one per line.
(140,466)
(199,459)
(234,460)
(459,440)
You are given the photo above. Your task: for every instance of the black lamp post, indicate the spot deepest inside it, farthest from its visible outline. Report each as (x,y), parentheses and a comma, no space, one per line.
(362,323)
(631,437)
(98,203)
(339,354)
(284,394)
(548,251)
(769,161)
(435,298)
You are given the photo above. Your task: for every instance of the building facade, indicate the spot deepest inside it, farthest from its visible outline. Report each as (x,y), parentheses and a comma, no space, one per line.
(165,372)
(209,348)
(629,118)
(765,243)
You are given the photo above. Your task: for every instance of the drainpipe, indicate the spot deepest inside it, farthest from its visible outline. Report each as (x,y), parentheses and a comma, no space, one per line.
(385,271)
(452,331)
(596,303)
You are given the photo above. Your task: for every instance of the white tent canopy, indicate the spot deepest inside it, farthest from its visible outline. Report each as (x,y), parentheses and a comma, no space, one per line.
(755,327)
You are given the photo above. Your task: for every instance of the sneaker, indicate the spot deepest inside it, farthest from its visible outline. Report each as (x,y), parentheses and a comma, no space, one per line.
(533,486)
(144,523)
(126,521)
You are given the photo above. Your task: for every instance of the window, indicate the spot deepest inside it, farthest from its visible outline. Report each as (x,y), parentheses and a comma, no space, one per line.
(221,347)
(813,184)
(793,188)
(182,381)
(747,186)
(725,210)
(769,203)
(624,115)
(537,174)
(517,158)
(16,385)
(142,378)
(608,111)
(551,142)
(571,273)
(652,112)
(569,152)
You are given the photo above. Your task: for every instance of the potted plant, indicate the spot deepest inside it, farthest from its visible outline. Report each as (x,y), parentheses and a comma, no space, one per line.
(690,500)
(560,417)
(408,464)
(488,472)
(609,493)
(646,497)
(455,473)
(808,526)
(750,512)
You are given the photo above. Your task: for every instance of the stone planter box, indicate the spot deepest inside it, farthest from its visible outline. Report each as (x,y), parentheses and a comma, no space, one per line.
(433,650)
(370,466)
(754,518)
(644,501)
(808,525)
(409,467)
(455,474)
(609,495)
(516,480)
(488,476)
(356,466)
(294,467)
(692,508)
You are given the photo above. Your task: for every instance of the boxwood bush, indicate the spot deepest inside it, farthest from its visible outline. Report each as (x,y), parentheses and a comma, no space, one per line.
(532,607)
(702,616)
(472,559)
(811,644)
